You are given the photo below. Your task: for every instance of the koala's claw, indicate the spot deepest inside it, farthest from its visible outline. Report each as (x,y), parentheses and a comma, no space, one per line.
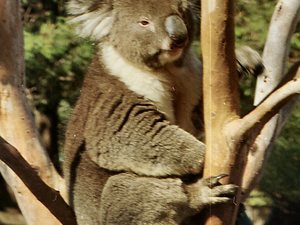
(214,180)
(219,190)
(209,191)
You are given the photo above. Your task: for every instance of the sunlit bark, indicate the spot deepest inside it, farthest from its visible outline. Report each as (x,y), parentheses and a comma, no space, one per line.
(221,105)
(15,118)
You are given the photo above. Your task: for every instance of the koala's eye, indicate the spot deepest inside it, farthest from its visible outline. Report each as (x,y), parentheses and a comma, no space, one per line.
(144,23)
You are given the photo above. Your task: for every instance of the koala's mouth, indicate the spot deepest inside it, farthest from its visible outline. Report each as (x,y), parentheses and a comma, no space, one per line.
(172,49)
(163,57)
(171,55)
(176,52)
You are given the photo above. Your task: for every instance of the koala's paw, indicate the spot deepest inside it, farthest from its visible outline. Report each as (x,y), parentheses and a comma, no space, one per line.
(249,62)
(209,191)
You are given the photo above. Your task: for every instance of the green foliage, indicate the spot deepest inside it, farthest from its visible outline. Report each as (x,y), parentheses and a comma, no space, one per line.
(37,12)
(252,21)
(56,61)
(281,178)
(259,199)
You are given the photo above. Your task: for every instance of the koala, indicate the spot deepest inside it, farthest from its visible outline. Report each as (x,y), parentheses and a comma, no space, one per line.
(131,154)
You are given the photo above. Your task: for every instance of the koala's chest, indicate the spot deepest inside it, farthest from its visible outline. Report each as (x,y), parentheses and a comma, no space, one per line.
(171,91)
(174,99)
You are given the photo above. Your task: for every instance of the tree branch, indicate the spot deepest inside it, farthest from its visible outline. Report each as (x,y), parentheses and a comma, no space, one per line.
(261,146)
(282,27)
(283,24)
(45,194)
(269,107)
(221,99)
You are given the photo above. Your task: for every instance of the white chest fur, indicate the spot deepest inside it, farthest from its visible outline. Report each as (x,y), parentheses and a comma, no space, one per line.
(145,83)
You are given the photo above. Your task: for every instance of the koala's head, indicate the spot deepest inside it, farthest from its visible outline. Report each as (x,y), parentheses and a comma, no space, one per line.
(152,32)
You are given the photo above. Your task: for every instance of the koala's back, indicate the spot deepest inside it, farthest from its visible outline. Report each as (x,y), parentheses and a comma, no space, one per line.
(85,179)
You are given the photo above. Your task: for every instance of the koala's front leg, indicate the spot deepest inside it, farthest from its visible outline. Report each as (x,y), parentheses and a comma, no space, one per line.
(139,139)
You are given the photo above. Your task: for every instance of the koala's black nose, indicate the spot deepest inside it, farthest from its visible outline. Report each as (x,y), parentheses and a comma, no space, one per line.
(177,31)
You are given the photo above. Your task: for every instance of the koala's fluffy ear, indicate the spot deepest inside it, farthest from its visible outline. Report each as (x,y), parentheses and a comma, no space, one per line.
(94,18)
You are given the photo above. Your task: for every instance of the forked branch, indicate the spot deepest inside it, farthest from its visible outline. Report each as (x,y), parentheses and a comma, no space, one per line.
(269,107)
(283,24)
(282,27)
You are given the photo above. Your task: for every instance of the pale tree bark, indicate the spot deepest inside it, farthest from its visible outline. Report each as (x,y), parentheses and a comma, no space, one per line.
(282,27)
(221,99)
(229,137)
(16,121)
(283,24)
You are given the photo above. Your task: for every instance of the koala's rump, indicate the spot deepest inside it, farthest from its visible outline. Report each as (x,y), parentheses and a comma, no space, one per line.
(101,197)
(135,200)
(85,188)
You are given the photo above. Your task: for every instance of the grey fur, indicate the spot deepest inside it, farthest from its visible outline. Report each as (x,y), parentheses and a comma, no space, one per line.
(130,143)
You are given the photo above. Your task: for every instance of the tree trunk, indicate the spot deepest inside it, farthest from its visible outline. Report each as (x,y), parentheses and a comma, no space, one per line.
(16,119)
(221,99)
(229,137)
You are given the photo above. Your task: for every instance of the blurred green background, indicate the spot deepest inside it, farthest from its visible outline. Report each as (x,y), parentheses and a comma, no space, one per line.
(56,60)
